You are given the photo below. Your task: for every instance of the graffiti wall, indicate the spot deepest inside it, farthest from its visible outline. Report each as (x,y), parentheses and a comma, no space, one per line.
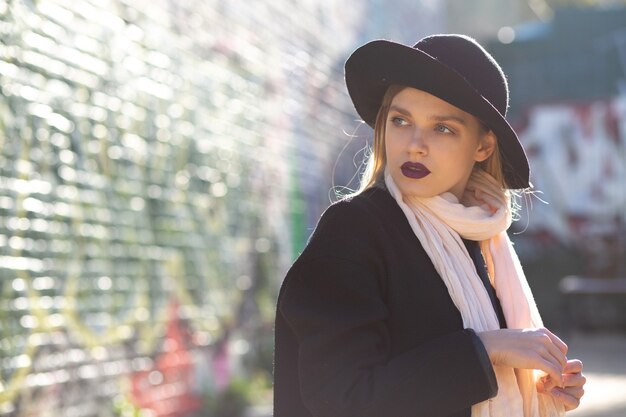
(149,181)
(578,158)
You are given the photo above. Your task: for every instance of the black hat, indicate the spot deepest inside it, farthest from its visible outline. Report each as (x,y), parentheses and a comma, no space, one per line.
(454,68)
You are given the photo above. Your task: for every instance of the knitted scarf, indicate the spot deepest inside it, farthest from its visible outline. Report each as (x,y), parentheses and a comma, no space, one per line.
(483,215)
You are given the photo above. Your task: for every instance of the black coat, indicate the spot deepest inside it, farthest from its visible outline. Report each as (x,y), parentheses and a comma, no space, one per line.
(365,325)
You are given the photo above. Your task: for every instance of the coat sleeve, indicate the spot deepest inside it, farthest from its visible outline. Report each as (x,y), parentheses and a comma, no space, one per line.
(333,300)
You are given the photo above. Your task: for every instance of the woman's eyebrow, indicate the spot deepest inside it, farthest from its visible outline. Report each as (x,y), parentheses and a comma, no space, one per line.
(447,118)
(436,117)
(400,110)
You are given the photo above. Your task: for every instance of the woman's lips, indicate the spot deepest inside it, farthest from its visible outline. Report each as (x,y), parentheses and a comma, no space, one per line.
(414,170)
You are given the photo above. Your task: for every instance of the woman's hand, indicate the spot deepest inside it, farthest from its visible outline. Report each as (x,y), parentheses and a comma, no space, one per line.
(572,391)
(527,349)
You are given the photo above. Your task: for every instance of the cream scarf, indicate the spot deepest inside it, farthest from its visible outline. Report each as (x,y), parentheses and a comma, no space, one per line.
(484,215)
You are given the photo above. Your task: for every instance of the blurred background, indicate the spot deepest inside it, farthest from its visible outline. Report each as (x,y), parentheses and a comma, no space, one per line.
(162,163)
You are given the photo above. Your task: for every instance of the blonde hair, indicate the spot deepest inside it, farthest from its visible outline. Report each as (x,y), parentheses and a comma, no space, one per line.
(373,174)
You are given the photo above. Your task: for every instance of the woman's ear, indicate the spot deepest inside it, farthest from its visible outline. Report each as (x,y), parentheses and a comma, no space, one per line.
(486,146)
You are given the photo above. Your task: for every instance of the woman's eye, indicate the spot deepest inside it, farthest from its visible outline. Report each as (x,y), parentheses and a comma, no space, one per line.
(398,121)
(443,129)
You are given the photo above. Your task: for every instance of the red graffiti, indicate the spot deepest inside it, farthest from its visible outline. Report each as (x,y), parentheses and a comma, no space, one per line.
(167,388)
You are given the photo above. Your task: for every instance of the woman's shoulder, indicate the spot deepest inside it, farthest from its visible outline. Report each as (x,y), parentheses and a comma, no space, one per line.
(354,222)
(350,230)
(361,211)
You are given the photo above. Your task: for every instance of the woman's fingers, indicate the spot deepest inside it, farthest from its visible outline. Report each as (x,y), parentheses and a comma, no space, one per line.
(554,372)
(552,352)
(555,347)
(554,357)
(573,366)
(573,377)
(556,341)
(573,380)
(569,397)
(527,349)
(572,389)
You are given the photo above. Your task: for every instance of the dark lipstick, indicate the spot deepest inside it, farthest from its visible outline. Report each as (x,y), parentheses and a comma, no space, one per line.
(414,170)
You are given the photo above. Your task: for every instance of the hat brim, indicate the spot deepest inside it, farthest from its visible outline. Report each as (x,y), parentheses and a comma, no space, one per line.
(373,67)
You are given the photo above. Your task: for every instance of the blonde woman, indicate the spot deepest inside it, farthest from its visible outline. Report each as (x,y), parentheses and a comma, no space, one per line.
(409,299)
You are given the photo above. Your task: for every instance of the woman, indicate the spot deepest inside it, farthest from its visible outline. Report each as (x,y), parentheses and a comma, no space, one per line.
(409,299)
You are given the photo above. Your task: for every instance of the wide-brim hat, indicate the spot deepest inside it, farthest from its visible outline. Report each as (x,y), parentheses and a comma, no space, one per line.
(454,68)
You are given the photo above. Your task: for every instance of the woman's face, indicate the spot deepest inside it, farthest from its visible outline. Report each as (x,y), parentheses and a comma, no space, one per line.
(431,146)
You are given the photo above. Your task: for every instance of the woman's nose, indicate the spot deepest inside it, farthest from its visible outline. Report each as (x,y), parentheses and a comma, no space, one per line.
(417,142)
